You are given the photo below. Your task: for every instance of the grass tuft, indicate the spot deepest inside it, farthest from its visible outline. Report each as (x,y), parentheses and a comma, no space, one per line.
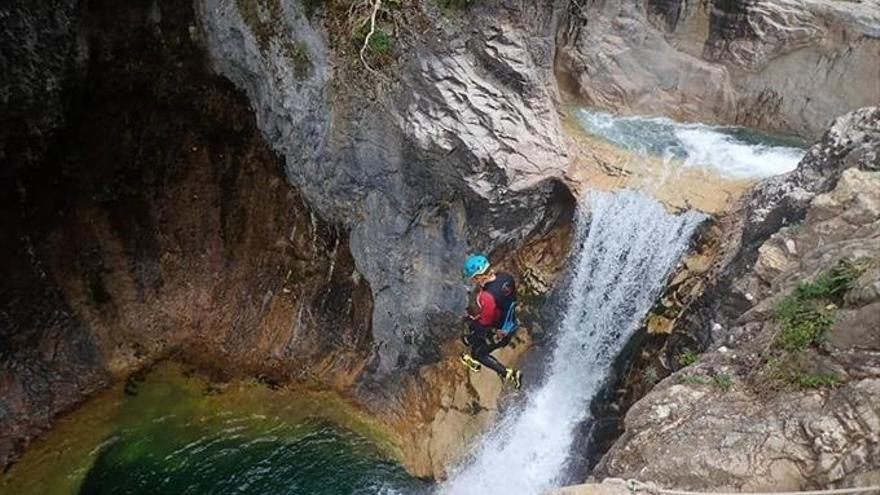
(722,381)
(802,315)
(688,358)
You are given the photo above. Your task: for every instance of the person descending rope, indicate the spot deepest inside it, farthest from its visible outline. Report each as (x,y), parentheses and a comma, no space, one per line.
(495,324)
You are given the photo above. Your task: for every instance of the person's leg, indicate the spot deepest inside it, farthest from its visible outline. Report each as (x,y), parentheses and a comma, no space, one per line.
(501,343)
(480,351)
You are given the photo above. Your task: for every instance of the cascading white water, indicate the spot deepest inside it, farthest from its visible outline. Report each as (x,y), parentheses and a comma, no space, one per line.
(728,150)
(625,246)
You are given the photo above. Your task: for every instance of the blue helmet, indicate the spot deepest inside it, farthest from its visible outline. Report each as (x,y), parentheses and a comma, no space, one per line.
(475,264)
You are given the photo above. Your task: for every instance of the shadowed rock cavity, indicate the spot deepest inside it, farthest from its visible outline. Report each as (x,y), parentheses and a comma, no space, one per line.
(144,215)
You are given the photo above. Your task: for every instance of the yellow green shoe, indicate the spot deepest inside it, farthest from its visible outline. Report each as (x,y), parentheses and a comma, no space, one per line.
(514,377)
(471,363)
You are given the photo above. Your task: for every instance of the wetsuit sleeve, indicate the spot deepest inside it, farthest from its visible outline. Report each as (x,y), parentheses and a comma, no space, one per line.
(488,308)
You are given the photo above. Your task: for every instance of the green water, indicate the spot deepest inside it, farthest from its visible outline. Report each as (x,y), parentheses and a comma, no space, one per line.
(177,434)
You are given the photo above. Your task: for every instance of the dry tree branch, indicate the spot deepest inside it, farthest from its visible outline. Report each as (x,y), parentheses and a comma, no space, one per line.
(376,5)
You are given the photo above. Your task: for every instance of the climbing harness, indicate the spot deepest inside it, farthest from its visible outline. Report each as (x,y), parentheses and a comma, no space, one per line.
(635,486)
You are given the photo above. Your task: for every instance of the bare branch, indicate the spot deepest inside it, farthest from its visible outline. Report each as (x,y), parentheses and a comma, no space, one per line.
(376,5)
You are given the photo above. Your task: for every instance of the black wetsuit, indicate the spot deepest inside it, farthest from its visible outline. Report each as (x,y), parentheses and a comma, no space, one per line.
(480,336)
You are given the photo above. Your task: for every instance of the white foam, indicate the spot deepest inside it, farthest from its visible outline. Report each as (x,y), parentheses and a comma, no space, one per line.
(717,148)
(726,155)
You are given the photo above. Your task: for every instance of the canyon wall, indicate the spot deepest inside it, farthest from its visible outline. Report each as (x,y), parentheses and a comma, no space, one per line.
(782,65)
(145,217)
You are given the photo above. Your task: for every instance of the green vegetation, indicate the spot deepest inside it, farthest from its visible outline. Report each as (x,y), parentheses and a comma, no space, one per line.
(450,5)
(381,42)
(688,358)
(804,316)
(263,18)
(312,6)
(693,380)
(722,381)
(794,370)
(817,380)
(650,375)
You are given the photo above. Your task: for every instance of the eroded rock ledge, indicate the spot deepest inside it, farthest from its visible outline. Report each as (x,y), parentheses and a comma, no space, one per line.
(461,149)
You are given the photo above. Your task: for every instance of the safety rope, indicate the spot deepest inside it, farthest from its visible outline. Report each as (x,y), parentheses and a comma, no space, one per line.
(635,486)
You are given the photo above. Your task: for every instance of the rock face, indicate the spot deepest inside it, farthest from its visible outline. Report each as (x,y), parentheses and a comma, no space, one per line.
(156,222)
(458,152)
(143,216)
(782,65)
(760,412)
(43,54)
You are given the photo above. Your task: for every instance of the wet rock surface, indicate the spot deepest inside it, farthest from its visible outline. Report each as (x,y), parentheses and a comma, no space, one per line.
(783,65)
(754,413)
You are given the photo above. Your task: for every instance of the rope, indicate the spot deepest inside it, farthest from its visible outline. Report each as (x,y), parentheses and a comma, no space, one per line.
(635,486)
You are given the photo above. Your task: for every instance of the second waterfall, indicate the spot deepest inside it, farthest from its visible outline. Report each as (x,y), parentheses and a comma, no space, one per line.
(625,246)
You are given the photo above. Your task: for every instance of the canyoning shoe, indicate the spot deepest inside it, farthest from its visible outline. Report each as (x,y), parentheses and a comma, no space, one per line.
(471,363)
(514,377)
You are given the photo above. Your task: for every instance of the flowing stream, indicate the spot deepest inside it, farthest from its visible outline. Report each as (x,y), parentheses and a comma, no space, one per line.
(730,151)
(626,244)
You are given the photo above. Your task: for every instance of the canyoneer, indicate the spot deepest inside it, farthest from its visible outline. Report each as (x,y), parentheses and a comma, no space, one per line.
(494,323)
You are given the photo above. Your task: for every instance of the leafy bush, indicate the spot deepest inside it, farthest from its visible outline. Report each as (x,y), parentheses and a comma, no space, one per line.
(381,42)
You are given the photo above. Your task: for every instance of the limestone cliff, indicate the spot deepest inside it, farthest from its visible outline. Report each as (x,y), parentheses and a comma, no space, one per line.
(786,398)
(783,65)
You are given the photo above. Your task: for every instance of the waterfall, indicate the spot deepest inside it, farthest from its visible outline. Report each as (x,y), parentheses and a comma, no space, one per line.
(625,246)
